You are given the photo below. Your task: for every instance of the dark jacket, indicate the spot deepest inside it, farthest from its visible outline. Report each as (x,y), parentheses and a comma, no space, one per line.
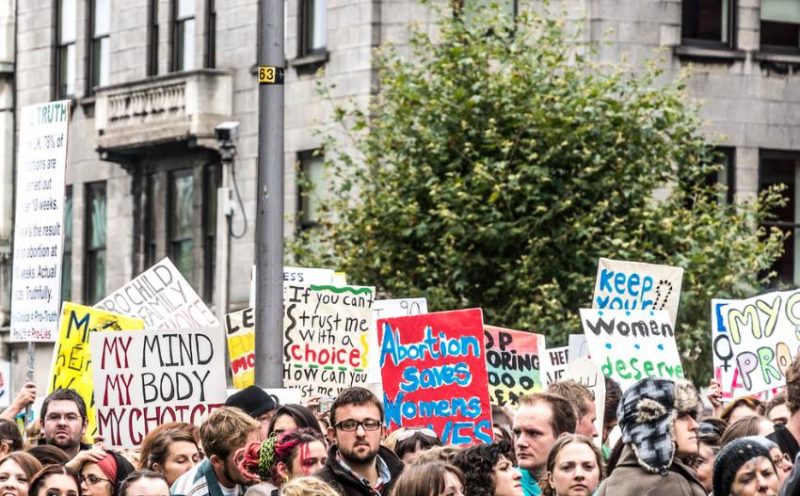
(630,479)
(346,484)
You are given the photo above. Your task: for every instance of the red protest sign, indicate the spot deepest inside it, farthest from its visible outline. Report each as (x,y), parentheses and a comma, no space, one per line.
(434,375)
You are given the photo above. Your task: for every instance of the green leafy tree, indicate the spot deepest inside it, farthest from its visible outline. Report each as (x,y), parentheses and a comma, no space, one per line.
(498,163)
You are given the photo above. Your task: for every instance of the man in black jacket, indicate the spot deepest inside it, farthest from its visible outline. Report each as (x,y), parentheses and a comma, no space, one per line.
(357,464)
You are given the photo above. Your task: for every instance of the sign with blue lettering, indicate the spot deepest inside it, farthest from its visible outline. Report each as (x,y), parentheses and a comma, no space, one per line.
(434,375)
(631,345)
(625,285)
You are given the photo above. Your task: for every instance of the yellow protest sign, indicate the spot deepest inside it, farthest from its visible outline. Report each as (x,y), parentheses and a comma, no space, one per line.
(71,366)
(240,327)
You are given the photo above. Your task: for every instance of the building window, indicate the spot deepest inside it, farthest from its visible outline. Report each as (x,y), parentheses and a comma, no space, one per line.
(784,168)
(211,34)
(780,25)
(212,181)
(708,22)
(312,37)
(150,221)
(65,50)
(152,38)
(66,253)
(100,46)
(312,189)
(726,175)
(95,280)
(181,216)
(183,31)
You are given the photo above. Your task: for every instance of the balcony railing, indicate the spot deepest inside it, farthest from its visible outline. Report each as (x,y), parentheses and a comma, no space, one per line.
(174,107)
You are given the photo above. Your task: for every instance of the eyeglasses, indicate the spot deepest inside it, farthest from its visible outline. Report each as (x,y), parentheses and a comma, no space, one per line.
(402,436)
(92,479)
(352,425)
(55,417)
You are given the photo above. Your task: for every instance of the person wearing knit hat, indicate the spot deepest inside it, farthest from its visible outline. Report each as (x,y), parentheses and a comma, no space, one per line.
(744,467)
(103,477)
(280,458)
(255,402)
(657,418)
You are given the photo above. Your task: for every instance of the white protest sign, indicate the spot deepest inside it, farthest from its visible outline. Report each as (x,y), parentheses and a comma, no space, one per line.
(5,383)
(631,345)
(554,363)
(763,334)
(39,221)
(296,275)
(328,334)
(578,348)
(622,285)
(146,378)
(400,307)
(586,373)
(162,298)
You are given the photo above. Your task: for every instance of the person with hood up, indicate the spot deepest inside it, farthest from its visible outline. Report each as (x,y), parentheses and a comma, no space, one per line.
(657,418)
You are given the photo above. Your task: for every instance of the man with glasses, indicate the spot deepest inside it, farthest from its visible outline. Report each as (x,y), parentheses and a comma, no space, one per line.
(63,418)
(357,464)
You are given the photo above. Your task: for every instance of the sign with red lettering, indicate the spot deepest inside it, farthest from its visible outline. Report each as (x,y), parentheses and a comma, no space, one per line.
(513,364)
(327,335)
(434,375)
(163,298)
(143,379)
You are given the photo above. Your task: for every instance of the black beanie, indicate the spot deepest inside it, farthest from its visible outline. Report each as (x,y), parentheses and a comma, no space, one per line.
(731,458)
(253,400)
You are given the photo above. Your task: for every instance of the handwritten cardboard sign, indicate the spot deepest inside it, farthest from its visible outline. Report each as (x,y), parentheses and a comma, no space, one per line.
(240,329)
(622,285)
(328,332)
(763,337)
(586,373)
(39,221)
(146,378)
(71,366)
(513,365)
(434,375)
(161,297)
(631,345)
(555,362)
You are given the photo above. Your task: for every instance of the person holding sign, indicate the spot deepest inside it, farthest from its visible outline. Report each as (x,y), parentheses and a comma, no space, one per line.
(658,422)
(357,464)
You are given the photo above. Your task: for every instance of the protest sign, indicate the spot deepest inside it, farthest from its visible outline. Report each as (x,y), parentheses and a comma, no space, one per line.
(71,366)
(5,383)
(586,373)
(434,375)
(725,371)
(162,298)
(622,285)
(577,347)
(631,345)
(763,338)
(240,329)
(400,307)
(296,275)
(555,363)
(328,332)
(513,365)
(146,378)
(39,221)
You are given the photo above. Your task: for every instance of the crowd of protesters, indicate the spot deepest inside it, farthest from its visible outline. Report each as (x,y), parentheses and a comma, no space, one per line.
(665,442)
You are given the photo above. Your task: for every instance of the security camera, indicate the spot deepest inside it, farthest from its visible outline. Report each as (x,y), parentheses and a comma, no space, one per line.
(227,133)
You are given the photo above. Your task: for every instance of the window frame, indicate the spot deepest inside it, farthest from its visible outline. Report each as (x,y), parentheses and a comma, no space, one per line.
(773,48)
(59,57)
(94,44)
(152,37)
(89,252)
(732,22)
(210,40)
(177,63)
(171,240)
(764,155)
(303,158)
(305,29)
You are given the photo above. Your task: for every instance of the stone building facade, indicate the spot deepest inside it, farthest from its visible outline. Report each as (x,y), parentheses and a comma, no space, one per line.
(150,79)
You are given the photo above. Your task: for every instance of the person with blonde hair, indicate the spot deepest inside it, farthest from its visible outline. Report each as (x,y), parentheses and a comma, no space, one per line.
(307,486)
(222,433)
